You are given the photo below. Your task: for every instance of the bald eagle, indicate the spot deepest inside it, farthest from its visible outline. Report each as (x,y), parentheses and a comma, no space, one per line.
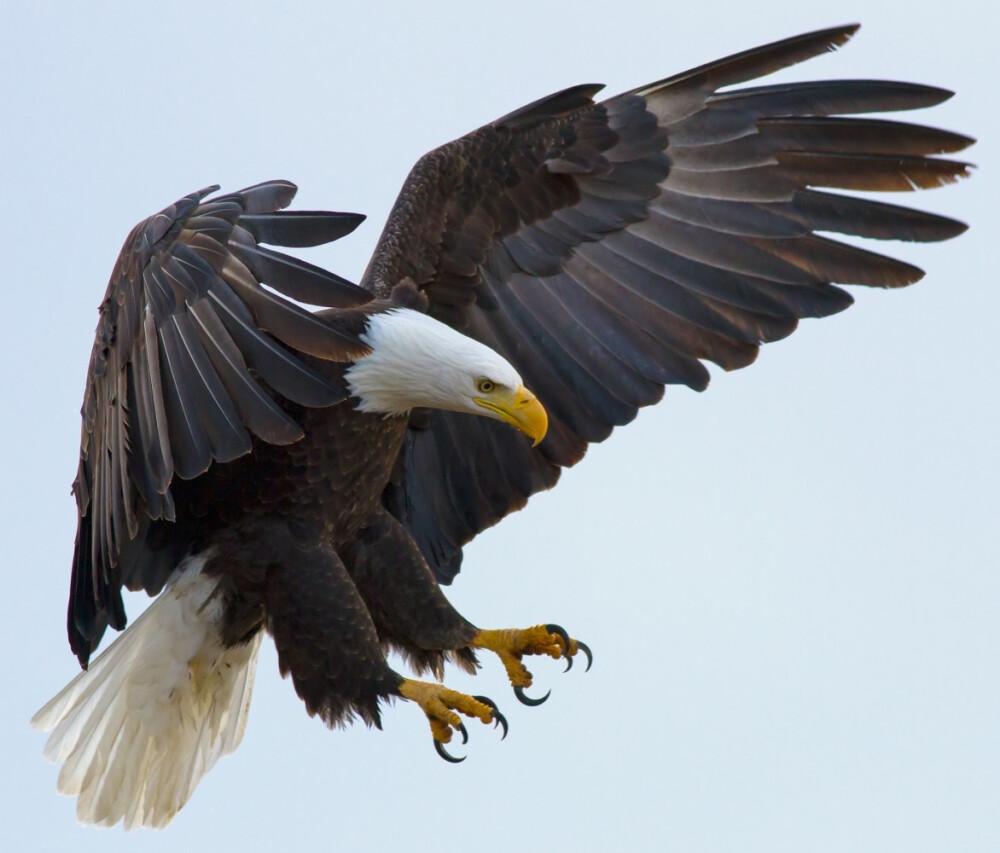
(314,474)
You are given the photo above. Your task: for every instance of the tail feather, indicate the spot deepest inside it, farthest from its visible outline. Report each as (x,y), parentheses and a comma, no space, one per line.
(138,730)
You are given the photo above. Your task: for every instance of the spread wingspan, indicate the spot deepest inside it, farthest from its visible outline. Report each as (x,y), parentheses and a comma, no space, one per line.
(609,249)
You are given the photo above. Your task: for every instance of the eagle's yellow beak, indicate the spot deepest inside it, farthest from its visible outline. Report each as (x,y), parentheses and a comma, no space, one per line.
(520,409)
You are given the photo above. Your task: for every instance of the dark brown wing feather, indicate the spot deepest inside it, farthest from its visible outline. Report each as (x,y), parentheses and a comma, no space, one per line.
(186,334)
(608,249)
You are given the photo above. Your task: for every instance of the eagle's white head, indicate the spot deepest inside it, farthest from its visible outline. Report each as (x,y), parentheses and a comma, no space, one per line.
(417,361)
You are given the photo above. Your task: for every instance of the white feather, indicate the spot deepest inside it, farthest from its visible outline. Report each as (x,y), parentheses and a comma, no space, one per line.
(155,711)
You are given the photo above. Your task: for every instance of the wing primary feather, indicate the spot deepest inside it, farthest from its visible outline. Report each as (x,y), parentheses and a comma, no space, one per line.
(100,559)
(833,261)
(265,197)
(726,251)
(223,427)
(158,290)
(80,612)
(114,458)
(760,184)
(819,211)
(611,369)
(583,393)
(300,280)
(624,337)
(871,173)
(150,348)
(757,62)
(261,414)
(737,289)
(680,342)
(745,219)
(279,368)
(124,453)
(698,325)
(179,277)
(465,503)
(145,465)
(296,327)
(551,388)
(204,246)
(203,223)
(857,135)
(610,380)
(831,97)
(198,271)
(300,228)
(192,450)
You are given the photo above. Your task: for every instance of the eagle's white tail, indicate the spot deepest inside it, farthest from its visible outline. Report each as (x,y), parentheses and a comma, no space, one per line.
(154,712)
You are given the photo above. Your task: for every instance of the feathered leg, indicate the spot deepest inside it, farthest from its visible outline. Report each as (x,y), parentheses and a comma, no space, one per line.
(406,604)
(411,612)
(326,639)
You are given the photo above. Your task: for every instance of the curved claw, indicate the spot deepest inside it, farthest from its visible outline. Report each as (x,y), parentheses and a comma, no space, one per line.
(464,732)
(498,718)
(439,748)
(583,647)
(569,664)
(527,700)
(563,635)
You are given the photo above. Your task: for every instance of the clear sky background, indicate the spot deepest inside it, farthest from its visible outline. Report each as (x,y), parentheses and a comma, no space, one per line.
(790,582)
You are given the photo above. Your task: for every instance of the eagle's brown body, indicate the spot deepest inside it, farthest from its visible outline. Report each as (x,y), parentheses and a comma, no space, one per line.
(319,502)
(330,482)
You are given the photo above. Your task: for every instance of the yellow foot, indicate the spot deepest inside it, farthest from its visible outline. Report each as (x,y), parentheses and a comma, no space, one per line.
(512,644)
(440,704)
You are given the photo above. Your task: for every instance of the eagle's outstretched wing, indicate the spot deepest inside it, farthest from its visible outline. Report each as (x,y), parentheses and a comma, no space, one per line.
(188,343)
(606,249)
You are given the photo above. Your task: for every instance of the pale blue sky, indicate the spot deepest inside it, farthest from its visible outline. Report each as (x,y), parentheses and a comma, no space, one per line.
(790,582)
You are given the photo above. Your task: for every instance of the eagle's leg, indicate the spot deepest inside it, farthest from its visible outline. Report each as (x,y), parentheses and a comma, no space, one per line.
(511,644)
(405,602)
(411,612)
(322,630)
(324,633)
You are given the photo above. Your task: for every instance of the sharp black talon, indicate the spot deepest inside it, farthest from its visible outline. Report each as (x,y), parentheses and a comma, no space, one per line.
(464,732)
(498,718)
(439,748)
(527,700)
(583,647)
(558,629)
(569,664)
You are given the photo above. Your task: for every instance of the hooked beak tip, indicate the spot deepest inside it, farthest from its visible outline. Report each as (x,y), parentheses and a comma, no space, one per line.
(522,411)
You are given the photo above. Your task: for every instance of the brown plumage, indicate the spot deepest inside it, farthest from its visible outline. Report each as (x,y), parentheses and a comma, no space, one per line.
(173,380)
(604,250)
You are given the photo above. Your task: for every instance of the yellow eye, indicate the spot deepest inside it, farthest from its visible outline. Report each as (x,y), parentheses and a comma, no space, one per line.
(484,386)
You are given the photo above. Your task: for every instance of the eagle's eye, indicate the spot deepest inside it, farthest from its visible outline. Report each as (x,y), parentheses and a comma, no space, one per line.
(485,386)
